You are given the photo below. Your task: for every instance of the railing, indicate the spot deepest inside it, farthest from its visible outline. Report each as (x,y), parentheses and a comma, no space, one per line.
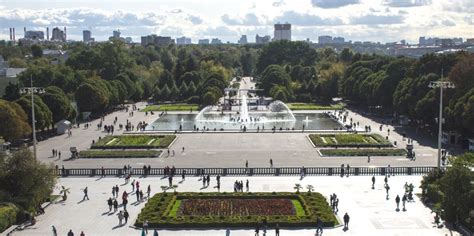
(258,171)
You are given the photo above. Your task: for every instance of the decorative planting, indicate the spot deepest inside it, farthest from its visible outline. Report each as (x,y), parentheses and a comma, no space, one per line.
(206,210)
(312,106)
(349,140)
(363,152)
(134,141)
(119,154)
(171,107)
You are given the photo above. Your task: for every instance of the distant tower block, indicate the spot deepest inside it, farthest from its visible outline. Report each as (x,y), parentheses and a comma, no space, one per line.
(65,34)
(47,33)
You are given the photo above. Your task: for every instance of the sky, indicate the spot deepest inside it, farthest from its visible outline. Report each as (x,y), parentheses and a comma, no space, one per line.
(356,20)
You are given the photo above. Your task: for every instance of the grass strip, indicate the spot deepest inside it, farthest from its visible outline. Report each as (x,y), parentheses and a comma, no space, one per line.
(119,154)
(171,107)
(363,152)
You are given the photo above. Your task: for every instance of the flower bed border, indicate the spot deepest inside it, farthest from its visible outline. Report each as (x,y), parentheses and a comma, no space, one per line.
(157,210)
(90,154)
(132,146)
(317,142)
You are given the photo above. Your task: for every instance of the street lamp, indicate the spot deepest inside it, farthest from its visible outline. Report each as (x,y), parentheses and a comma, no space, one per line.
(441,85)
(32,90)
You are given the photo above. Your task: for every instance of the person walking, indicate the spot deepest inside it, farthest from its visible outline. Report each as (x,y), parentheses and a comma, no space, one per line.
(110,203)
(183,175)
(148,191)
(55,232)
(387,188)
(397,200)
(155,232)
(145,226)
(257,230)
(70,233)
(247,185)
(82,233)
(115,205)
(227,232)
(85,194)
(404,200)
(133,185)
(346,221)
(319,226)
(271,163)
(120,217)
(373,182)
(125,216)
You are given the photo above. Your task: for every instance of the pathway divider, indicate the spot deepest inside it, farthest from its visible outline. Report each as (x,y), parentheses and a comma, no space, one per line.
(256,171)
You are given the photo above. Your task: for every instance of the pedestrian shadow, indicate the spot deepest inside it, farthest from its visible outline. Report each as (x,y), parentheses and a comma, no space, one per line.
(81,201)
(136,203)
(123,184)
(180,182)
(117,226)
(106,213)
(204,187)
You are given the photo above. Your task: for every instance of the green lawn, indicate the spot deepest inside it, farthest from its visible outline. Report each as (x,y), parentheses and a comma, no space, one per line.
(118,154)
(171,107)
(221,210)
(349,140)
(363,152)
(313,106)
(134,141)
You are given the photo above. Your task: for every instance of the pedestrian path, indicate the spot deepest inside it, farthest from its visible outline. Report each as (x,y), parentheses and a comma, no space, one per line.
(370,212)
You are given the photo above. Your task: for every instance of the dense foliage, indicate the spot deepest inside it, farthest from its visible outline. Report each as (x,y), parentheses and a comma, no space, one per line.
(14,121)
(24,180)
(451,191)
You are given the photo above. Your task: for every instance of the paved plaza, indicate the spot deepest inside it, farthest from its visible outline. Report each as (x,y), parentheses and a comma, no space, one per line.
(215,149)
(370,212)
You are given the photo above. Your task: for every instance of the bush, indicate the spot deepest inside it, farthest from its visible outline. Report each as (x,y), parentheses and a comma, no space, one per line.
(165,215)
(8,214)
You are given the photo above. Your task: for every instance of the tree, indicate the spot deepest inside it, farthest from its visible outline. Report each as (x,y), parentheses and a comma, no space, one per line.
(43,115)
(58,103)
(24,180)
(457,187)
(92,95)
(14,121)
(37,51)
(286,52)
(210,98)
(298,187)
(12,92)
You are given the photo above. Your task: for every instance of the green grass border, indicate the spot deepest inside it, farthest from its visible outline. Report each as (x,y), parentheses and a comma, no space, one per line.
(363,152)
(119,154)
(171,107)
(158,211)
(299,106)
(163,142)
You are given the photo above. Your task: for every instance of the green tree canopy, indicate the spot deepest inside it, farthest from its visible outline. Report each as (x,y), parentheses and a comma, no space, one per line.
(14,121)
(43,116)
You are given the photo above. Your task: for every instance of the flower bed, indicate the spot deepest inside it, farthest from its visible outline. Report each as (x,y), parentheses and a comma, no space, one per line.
(349,140)
(206,210)
(118,154)
(171,107)
(134,141)
(312,106)
(363,152)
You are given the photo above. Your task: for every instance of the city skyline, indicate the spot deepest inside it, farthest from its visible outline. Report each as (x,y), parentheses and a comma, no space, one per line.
(356,20)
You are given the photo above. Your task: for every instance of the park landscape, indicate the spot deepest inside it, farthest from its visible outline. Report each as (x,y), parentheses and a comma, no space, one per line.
(300,123)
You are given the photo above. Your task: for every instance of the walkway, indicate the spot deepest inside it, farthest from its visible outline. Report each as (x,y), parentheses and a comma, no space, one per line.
(371,213)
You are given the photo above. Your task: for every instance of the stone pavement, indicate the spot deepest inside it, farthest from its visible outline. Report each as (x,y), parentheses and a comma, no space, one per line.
(226,149)
(370,212)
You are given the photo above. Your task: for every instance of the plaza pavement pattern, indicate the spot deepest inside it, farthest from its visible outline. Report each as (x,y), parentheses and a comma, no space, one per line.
(214,149)
(370,212)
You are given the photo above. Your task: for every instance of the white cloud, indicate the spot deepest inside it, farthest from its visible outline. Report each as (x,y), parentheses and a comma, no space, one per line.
(406,3)
(332,3)
(371,19)
(248,19)
(306,19)
(278,3)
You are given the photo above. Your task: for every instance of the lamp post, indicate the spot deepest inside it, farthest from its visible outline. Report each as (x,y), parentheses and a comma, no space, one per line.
(32,90)
(441,85)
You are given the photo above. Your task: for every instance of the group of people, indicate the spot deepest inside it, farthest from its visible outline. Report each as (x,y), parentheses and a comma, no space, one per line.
(239,186)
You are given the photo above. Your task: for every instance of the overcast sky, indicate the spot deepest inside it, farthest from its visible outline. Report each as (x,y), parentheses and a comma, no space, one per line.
(357,20)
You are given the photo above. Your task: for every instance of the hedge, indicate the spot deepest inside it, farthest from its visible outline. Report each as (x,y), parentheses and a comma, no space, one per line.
(363,152)
(119,154)
(8,213)
(134,141)
(349,140)
(171,107)
(160,208)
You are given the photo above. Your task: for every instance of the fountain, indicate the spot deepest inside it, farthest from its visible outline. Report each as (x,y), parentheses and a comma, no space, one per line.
(277,115)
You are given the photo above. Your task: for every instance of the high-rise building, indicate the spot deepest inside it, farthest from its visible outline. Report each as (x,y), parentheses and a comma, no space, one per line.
(216,41)
(116,34)
(262,39)
(156,40)
(324,39)
(339,40)
(58,35)
(35,35)
(421,41)
(243,39)
(86,36)
(282,32)
(203,41)
(183,41)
